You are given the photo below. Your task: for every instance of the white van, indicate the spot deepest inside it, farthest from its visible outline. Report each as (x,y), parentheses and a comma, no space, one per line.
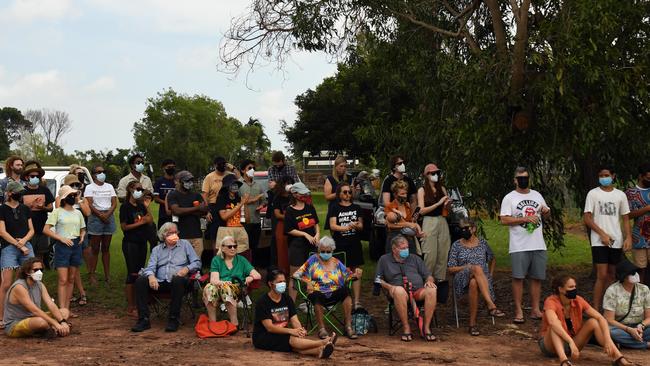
(54,176)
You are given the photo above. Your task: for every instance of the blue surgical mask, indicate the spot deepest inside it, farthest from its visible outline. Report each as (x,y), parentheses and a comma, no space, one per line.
(101,177)
(139,168)
(280,287)
(404,253)
(34,181)
(605,181)
(137,194)
(325,256)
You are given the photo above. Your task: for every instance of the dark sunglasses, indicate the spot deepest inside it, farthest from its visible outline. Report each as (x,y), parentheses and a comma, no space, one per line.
(98,172)
(230,246)
(139,189)
(139,162)
(75,185)
(432,173)
(34,176)
(326,251)
(346,192)
(37,269)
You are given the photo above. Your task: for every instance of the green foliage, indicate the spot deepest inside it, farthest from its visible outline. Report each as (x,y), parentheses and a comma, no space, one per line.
(12,124)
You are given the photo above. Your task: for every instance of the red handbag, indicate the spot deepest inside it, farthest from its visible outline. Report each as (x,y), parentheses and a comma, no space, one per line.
(205,328)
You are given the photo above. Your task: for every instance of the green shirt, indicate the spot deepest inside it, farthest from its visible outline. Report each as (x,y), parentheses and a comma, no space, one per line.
(66,223)
(616,299)
(252,216)
(241,268)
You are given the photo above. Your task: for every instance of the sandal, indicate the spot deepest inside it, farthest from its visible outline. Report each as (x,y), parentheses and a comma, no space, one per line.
(74,299)
(429,337)
(2,324)
(495,312)
(519,320)
(327,351)
(322,333)
(351,333)
(619,362)
(83,300)
(407,337)
(566,363)
(473,331)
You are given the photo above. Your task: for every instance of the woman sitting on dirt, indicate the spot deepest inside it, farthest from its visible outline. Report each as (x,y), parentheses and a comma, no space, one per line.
(274,312)
(472,262)
(564,333)
(326,278)
(227,272)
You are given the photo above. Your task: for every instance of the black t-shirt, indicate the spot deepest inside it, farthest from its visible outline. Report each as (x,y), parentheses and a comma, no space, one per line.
(280,313)
(162,187)
(304,220)
(344,216)
(130,214)
(16,221)
(189,226)
(224,202)
(280,203)
(38,217)
(390,179)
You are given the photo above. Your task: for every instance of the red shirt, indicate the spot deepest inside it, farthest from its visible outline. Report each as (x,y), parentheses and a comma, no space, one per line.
(578,306)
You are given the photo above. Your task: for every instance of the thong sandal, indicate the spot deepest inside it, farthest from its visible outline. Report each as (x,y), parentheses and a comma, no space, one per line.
(407,337)
(519,320)
(327,351)
(473,330)
(618,361)
(566,363)
(429,337)
(322,333)
(83,300)
(495,312)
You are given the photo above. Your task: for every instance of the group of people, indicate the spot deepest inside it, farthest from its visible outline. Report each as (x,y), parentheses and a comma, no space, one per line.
(79,222)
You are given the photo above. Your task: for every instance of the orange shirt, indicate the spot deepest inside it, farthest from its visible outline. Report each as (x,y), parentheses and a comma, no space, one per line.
(578,307)
(394,205)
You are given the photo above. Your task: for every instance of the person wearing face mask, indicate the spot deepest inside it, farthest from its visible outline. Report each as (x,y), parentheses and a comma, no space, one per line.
(279,168)
(339,176)
(22,311)
(432,199)
(162,187)
(392,269)
(472,263)
(13,170)
(326,279)
(39,199)
(569,323)
(638,198)
(229,208)
(69,231)
(134,219)
(102,201)
(251,218)
(16,230)
(277,327)
(211,189)
(399,218)
(398,172)
(170,264)
(188,207)
(522,211)
(281,200)
(604,207)
(137,170)
(627,308)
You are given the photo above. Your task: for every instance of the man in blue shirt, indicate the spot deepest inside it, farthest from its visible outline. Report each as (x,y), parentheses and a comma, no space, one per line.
(170,265)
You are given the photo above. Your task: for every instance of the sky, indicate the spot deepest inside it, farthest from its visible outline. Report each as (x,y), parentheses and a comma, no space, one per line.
(99,61)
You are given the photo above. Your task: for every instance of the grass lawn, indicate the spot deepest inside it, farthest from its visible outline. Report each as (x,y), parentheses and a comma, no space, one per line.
(576,252)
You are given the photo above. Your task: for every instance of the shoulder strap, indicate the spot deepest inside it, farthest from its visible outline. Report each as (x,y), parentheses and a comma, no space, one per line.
(629,306)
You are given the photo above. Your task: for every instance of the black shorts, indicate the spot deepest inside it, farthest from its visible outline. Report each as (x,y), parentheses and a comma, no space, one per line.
(606,255)
(135,255)
(272,342)
(353,253)
(334,297)
(299,250)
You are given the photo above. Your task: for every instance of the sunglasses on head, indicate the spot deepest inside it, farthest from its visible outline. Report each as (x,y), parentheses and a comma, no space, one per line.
(230,246)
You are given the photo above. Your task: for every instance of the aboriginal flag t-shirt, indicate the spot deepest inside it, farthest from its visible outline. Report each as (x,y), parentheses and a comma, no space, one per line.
(304,220)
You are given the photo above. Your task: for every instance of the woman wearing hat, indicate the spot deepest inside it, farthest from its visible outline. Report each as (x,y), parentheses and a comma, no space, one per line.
(16,230)
(229,206)
(627,308)
(69,231)
(39,199)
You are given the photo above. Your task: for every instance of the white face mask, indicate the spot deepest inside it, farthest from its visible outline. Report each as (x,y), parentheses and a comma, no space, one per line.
(434,178)
(137,194)
(635,278)
(251,173)
(401,168)
(37,275)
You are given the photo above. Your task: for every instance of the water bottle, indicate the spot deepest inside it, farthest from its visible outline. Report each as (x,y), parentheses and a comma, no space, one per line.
(530,227)
(376,287)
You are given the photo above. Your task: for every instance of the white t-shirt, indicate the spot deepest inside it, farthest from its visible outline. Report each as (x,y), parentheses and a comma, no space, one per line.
(518,205)
(101,195)
(606,209)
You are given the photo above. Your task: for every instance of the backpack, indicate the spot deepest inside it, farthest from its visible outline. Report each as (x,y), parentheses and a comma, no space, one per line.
(362,322)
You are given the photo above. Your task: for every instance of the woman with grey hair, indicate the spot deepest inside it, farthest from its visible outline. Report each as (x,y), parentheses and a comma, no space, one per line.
(326,278)
(164,229)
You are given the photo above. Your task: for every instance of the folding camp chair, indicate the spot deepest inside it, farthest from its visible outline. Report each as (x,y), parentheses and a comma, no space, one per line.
(394,323)
(159,301)
(455,301)
(246,313)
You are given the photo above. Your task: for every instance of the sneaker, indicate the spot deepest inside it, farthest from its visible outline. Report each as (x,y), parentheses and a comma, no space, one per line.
(142,325)
(172,325)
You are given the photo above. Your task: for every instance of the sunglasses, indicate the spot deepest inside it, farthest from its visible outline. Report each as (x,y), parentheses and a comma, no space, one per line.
(99,172)
(431,173)
(34,176)
(139,189)
(346,192)
(326,251)
(75,185)
(139,162)
(230,246)
(37,269)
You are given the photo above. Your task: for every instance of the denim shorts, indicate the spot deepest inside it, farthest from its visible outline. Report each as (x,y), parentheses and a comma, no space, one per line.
(12,257)
(65,256)
(98,227)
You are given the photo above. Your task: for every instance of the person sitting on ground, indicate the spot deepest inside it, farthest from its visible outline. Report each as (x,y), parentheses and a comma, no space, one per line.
(22,313)
(277,327)
(168,270)
(228,271)
(391,269)
(472,263)
(399,218)
(564,331)
(627,308)
(326,278)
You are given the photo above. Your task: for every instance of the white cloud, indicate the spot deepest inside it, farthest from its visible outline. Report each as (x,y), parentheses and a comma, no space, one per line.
(28,11)
(204,57)
(104,83)
(39,83)
(273,106)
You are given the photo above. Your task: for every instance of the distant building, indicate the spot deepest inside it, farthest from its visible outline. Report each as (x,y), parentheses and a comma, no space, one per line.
(318,166)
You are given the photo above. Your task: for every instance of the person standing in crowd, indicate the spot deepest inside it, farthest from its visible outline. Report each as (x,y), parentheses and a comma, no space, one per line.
(162,187)
(102,201)
(187,207)
(399,218)
(16,230)
(627,308)
(281,200)
(346,225)
(273,255)
(301,226)
(398,170)
(432,200)
(339,176)
(23,312)
(638,198)
(137,167)
(521,211)
(39,199)
(134,221)
(212,184)
(13,170)
(229,208)
(604,207)
(280,168)
(69,231)
(569,323)
(256,200)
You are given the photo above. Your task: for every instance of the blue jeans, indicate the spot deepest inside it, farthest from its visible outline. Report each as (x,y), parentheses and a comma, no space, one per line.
(625,339)
(13,258)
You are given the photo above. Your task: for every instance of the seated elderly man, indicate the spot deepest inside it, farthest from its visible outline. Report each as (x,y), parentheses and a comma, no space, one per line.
(391,269)
(23,316)
(170,263)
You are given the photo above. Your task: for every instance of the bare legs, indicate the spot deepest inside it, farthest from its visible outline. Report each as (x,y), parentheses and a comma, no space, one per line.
(65,285)
(309,347)
(7,280)
(604,277)
(100,243)
(535,288)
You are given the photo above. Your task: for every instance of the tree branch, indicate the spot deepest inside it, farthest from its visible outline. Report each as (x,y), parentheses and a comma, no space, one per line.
(498,27)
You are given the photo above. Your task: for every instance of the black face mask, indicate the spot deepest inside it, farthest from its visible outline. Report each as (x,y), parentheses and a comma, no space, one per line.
(81,177)
(522,182)
(18,197)
(70,200)
(645,183)
(465,233)
(170,171)
(571,294)
(221,168)
(401,199)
